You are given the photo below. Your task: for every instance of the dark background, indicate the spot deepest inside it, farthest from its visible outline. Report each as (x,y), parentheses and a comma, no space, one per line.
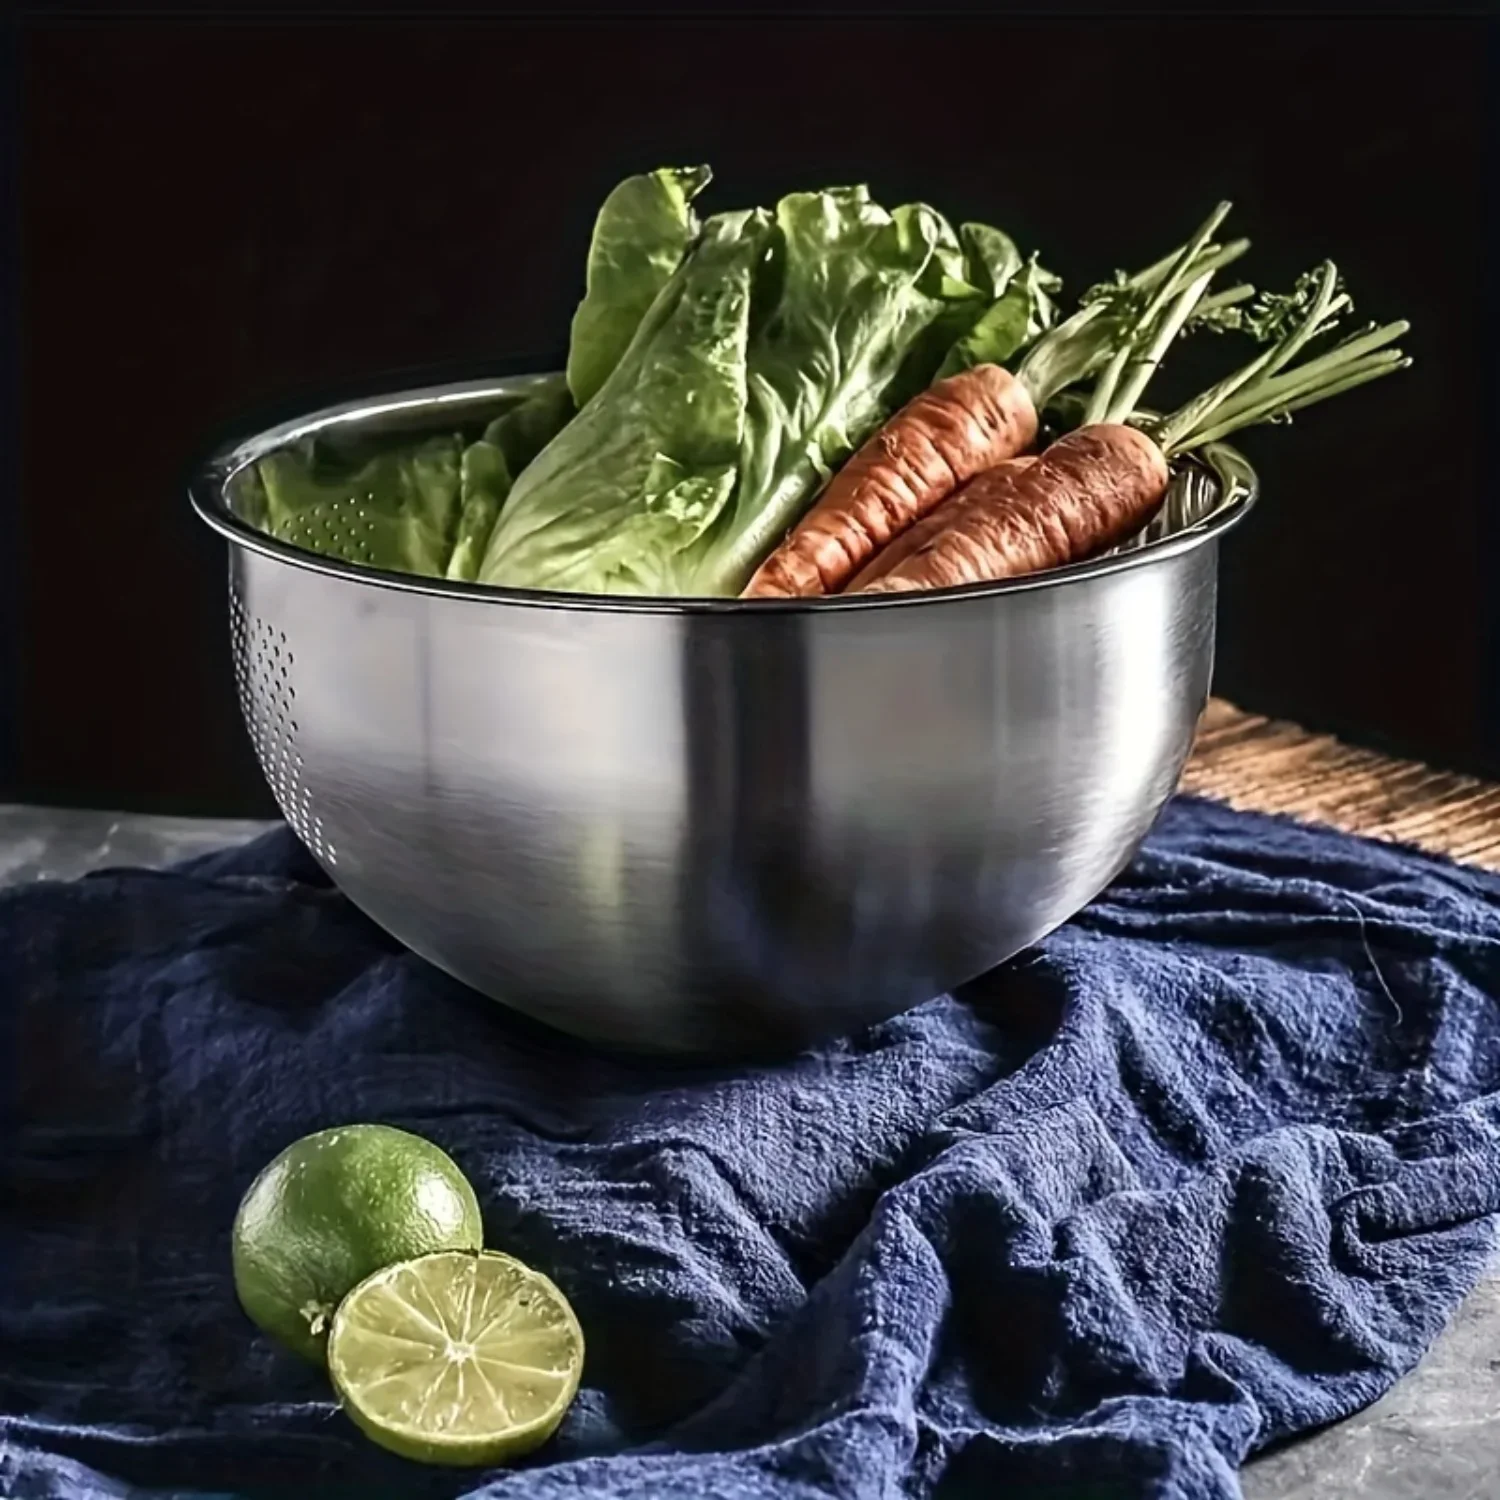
(224,221)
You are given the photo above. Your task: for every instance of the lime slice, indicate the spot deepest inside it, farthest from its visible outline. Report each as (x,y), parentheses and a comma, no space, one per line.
(460,1357)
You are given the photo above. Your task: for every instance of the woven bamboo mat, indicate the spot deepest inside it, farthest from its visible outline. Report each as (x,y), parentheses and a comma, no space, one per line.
(1264,764)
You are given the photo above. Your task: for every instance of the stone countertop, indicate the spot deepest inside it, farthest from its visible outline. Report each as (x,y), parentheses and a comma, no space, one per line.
(1435,1436)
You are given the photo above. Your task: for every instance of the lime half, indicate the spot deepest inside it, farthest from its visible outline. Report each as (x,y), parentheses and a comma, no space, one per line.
(459,1357)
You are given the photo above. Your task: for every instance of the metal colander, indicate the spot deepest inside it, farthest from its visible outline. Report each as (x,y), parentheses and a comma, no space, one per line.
(711,826)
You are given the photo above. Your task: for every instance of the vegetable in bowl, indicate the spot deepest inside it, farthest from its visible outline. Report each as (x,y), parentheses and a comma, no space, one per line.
(784,338)
(1101,482)
(822,397)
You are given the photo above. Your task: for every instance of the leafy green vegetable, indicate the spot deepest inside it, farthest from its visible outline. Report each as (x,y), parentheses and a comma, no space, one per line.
(640,236)
(779,344)
(523,431)
(247,498)
(638,477)
(994,304)
(1020,314)
(485,481)
(490,466)
(397,511)
(993,255)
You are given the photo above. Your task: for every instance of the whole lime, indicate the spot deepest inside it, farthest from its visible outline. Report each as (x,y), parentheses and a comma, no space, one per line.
(334,1208)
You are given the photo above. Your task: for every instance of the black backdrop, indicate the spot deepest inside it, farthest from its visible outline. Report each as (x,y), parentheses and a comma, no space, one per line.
(217,220)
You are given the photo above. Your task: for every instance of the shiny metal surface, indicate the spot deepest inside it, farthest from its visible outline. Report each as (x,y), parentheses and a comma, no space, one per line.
(713,826)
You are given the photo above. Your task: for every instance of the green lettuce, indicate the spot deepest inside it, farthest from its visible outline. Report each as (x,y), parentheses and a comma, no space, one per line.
(523,431)
(490,466)
(414,523)
(640,236)
(485,480)
(397,511)
(1020,313)
(968,272)
(993,255)
(777,346)
(633,484)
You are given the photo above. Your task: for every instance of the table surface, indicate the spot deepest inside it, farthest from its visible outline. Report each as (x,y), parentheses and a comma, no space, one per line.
(1436,1435)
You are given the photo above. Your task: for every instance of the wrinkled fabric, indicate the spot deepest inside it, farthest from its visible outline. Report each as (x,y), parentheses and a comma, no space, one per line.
(1209,1166)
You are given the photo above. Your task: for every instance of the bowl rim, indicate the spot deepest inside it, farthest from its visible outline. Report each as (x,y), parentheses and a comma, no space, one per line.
(210,478)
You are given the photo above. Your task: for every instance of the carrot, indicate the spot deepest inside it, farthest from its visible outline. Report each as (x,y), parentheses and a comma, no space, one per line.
(1098,484)
(962,426)
(952,431)
(1087,491)
(917,536)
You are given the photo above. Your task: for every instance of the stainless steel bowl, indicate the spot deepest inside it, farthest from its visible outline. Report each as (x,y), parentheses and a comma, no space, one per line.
(708,826)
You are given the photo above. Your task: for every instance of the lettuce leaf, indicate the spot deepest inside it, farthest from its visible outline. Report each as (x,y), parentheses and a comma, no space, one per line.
(640,236)
(992,258)
(489,469)
(397,511)
(523,431)
(620,500)
(485,480)
(1021,313)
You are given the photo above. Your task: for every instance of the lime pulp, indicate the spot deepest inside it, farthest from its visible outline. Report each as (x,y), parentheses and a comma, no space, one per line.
(458,1357)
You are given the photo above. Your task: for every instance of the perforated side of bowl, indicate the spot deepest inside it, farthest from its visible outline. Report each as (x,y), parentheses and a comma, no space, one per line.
(341,528)
(263,664)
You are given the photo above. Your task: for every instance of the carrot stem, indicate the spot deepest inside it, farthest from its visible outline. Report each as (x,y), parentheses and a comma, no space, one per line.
(1315,370)
(1212,258)
(1138,371)
(1216,257)
(1268,392)
(1386,363)
(1270,387)
(1304,393)
(1327,304)
(1159,314)
(1323,310)
(1227,298)
(1082,344)
(1184,263)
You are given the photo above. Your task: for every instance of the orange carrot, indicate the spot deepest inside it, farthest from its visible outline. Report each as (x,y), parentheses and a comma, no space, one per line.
(916,537)
(955,429)
(1092,488)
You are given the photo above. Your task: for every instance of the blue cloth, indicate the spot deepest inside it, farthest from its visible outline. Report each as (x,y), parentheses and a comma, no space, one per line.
(1209,1166)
